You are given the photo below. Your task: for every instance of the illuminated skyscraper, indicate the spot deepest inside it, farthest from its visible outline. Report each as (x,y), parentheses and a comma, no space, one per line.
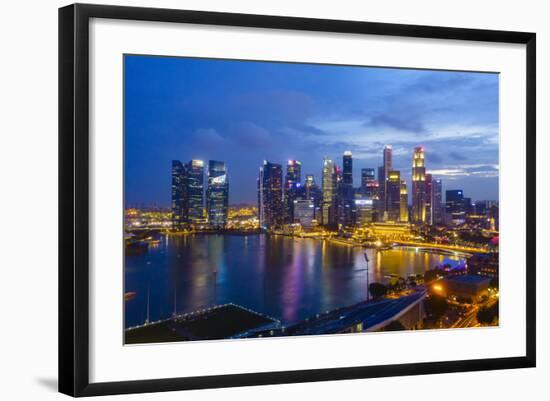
(292,181)
(328,205)
(404,204)
(217,194)
(428,199)
(179,194)
(304,212)
(347,191)
(312,191)
(195,191)
(270,195)
(383,172)
(393,195)
(454,206)
(437,201)
(418,186)
(367,175)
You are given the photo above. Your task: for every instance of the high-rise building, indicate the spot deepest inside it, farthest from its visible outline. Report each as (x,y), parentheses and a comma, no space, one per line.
(383,172)
(364,210)
(404,205)
(418,186)
(179,195)
(292,181)
(454,206)
(304,212)
(312,191)
(270,195)
(217,194)
(329,193)
(437,201)
(393,196)
(367,177)
(195,191)
(428,199)
(347,191)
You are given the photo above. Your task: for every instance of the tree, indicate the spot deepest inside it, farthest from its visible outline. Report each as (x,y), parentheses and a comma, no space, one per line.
(487,315)
(377,290)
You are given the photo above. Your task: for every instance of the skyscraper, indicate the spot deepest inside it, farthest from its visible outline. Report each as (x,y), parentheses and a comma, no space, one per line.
(393,195)
(179,195)
(328,205)
(367,177)
(418,186)
(348,211)
(270,195)
(437,201)
(454,206)
(217,194)
(312,191)
(428,199)
(383,172)
(404,205)
(195,191)
(292,181)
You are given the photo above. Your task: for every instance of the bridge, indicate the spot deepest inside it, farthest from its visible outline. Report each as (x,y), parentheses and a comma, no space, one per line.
(443,247)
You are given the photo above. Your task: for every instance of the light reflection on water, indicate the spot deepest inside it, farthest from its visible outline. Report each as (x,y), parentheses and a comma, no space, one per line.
(287,278)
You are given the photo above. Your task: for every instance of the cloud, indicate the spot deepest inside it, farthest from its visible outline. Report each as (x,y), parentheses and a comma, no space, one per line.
(398,121)
(457,156)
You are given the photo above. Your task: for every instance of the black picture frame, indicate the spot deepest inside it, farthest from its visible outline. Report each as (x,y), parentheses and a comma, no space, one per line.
(74,198)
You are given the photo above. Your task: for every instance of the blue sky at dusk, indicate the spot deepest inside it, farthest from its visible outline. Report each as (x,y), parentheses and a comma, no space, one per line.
(243,112)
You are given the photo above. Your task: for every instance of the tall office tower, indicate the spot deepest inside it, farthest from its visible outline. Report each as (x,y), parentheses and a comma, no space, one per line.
(437,201)
(428,199)
(418,186)
(179,195)
(348,192)
(195,191)
(270,195)
(364,210)
(404,205)
(217,194)
(304,212)
(383,172)
(367,176)
(312,191)
(393,195)
(328,205)
(454,206)
(468,206)
(292,181)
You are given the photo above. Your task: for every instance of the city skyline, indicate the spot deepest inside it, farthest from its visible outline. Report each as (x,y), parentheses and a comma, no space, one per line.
(293,117)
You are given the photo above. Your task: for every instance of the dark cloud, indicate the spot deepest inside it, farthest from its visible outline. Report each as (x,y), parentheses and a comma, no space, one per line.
(398,121)
(458,156)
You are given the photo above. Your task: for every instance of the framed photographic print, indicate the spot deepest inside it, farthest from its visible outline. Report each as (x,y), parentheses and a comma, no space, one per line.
(295,199)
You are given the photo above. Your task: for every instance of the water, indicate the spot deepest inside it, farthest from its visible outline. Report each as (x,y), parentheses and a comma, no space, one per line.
(286,278)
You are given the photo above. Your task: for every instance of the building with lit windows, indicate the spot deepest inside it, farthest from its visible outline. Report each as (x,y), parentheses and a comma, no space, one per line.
(454,206)
(364,211)
(304,212)
(195,191)
(217,194)
(347,191)
(328,205)
(367,177)
(179,195)
(383,172)
(418,186)
(393,196)
(292,180)
(404,204)
(270,195)
(428,199)
(437,202)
